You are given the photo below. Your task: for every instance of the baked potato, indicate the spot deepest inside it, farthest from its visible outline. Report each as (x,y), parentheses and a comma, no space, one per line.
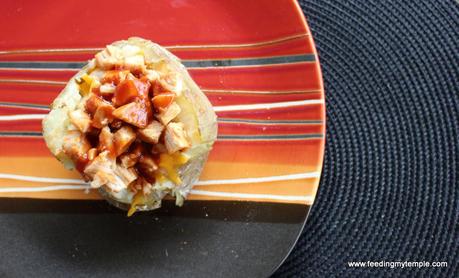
(134,124)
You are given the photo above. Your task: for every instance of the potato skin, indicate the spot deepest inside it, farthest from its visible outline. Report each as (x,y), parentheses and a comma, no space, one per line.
(55,125)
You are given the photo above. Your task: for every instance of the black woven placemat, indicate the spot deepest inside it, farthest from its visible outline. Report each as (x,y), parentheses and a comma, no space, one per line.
(390,188)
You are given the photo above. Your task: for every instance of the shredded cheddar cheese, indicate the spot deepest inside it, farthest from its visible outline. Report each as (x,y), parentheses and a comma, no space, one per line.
(138,199)
(85,82)
(170,163)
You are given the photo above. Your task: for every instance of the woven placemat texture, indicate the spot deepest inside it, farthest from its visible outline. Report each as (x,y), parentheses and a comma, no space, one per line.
(390,188)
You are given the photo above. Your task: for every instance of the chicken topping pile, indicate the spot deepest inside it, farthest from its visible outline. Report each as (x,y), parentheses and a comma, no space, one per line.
(126,134)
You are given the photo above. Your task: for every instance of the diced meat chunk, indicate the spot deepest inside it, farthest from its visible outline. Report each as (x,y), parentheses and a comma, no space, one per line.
(125,92)
(108,58)
(162,101)
(134,113)
(151,133)
(170,83)
(106,140)
(169,114)
(127,175)
(115,76)
(93,102)
(81,120)
(176,138)
(147,166)
(97,74)
(143,88)
(100,109)
(92,153)
(128,160)
(129,50)
(103,115)
(146,188)
(95,85)
(158,148)
(116,124)
(134,62)
(123,138)
(107,89)
(152,75)
(76,145)
(102,171)
(128,57)
(148,163)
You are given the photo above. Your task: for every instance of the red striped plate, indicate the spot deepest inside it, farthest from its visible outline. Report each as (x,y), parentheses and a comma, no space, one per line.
(256,62)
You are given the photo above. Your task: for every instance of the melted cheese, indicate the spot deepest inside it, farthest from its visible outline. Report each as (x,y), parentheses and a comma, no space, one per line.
(170,163)
(85,83)
(138,199)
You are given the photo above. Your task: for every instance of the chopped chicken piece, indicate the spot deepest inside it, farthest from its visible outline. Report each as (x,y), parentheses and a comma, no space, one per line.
(116,124)
(107,89)
(81,120)
(127,175)
(160,87)
(162,101)
(151,133)
(114,51)
(128,159)
(127,56)
(146,187)
(130,90)
(177,84)
(123,139)
(97,74)
(115,76)
(101,110)
(130,50)
(147,162)
(95,86)
(169,114)
(147,166)
(102,172)
(108,58)
(138,186)
(176,138)
(158,148)
(160,65)
(125,92)
(152,75)
(103,115)
(106,140)
(143,87)
(134,113)
(92,153)
(93,102)
(170,83)
(75,145)
(134,62)
(100,178)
